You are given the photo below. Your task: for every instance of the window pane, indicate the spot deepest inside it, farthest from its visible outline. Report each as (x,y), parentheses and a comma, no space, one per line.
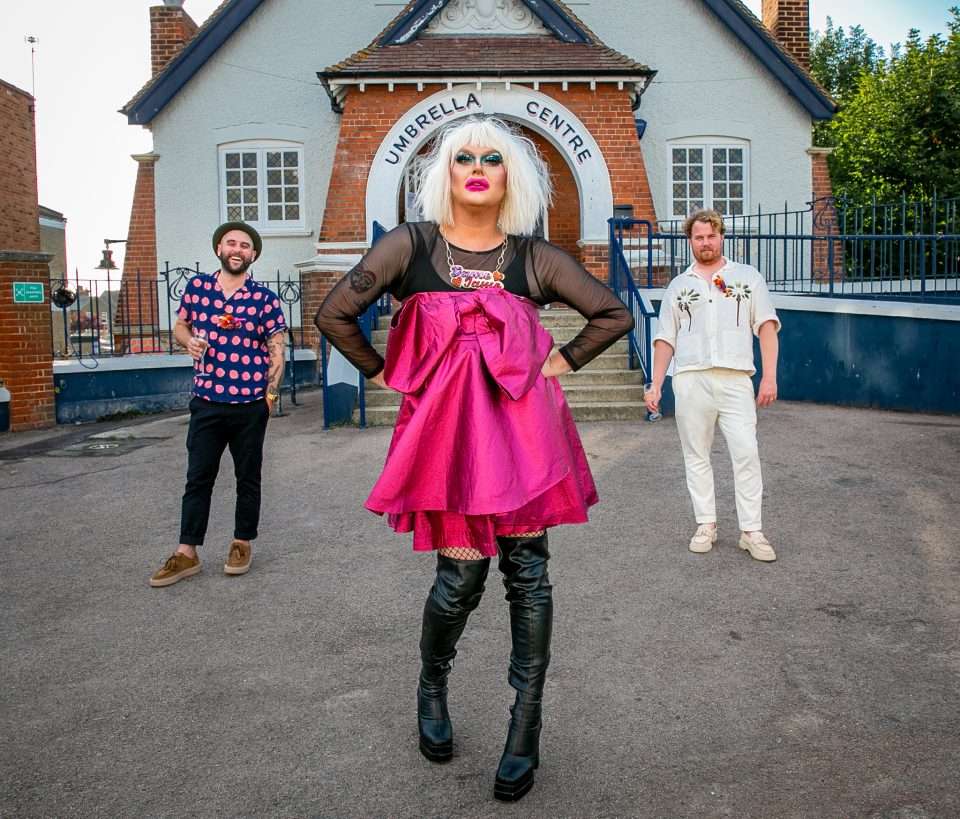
(719,154)
(249,177)
(736,172)
(736,155)
(233,196)
(720,172)
(292,212)
(233,177)
(696,204)
(719,190)
(275,213)
(736,191)
(273,177)
(232,160)
(274,195)
(291,194)
(696,173)
(679,155)
(250,196)
(290,159)
(696,156)
(291,177)
(679,191)
(680,207)
(249,160)
(233,214)
(680,172)
(696,189)
(273,159)
(736,208)
(250,214)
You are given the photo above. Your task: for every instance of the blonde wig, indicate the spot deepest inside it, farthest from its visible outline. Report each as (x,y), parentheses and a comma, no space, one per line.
(529,190)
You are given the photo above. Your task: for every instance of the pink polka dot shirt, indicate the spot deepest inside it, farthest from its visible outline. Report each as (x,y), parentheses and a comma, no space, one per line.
(234,368)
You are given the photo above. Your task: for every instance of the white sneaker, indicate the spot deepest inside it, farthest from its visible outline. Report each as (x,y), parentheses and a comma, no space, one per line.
(702,542)
(758,546)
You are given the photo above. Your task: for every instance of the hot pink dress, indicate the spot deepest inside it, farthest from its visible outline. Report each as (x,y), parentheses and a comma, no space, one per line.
(484,445)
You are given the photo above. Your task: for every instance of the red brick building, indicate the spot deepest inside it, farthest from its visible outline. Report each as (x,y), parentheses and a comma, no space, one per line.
(26,358)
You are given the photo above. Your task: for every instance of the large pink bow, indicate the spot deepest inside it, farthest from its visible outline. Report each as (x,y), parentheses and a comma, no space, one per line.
(512,341)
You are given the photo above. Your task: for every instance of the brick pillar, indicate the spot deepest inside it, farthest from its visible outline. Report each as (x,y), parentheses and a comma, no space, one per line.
(26,350)
(789,22)
(137,318)
(824,219)
(170,28)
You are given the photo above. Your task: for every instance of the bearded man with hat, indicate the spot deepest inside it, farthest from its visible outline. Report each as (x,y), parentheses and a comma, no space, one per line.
(234,329)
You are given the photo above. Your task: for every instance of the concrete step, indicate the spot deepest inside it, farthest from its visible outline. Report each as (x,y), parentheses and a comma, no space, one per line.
(581,394)
(582,411)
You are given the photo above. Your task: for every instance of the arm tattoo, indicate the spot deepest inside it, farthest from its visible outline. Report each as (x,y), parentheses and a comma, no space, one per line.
(361,279)
(275,373)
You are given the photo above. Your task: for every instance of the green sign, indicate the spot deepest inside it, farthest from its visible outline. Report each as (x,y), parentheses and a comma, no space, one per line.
(28,293)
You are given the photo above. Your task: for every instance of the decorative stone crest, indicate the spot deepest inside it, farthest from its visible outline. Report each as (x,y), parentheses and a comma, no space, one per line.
(487,17)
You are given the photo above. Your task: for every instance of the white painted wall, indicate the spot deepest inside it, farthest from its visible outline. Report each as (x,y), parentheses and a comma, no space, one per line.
(707,83)
(261,84)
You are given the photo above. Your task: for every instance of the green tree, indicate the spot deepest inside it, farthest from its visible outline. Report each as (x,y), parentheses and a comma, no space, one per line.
(898,132)
(838,60)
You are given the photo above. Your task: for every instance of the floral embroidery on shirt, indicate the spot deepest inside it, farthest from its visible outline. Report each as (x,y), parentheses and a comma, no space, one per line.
(740,292)
(685,301)
(720,283)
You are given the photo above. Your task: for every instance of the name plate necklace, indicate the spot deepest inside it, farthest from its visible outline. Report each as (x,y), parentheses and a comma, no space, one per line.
(476,279)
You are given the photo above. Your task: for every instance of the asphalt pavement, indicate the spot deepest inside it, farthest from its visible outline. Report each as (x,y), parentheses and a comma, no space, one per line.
(822,685)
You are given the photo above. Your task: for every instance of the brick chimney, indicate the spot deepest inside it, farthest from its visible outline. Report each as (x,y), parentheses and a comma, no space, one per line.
(789,22)
(170,28)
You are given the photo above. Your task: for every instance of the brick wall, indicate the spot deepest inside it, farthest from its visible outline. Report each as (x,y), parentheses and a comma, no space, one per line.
(789,22)
(170,28)
(605,112)
(26,352)
(19,213)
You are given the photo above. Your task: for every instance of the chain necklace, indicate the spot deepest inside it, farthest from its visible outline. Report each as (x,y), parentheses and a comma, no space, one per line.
(476,279)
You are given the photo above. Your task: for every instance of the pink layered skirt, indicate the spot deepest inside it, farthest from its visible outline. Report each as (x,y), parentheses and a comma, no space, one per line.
(484,445)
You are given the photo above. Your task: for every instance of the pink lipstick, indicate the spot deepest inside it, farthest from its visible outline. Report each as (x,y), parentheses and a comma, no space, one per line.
(477,185)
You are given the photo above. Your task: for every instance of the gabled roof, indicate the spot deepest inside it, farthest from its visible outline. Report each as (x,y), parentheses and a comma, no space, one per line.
(569,50)
(219,26)
(567,29)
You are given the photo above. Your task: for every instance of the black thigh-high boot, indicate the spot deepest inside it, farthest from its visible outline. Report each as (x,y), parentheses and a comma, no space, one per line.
(456,592)
(523,562)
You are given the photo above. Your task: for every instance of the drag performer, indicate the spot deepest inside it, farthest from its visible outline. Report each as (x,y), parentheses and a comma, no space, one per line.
(485,455)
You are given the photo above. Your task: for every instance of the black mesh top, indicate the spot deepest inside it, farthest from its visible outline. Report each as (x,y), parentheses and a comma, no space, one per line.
(533,268)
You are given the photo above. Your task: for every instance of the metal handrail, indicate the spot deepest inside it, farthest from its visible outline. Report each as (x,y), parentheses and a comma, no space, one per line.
(620,280)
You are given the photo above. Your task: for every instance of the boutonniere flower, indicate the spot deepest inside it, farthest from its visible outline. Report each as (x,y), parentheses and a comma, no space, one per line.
(227,322)
(720,284)
(685,301)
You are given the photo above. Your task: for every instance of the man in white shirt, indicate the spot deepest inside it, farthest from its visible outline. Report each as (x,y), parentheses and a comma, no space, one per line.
(708,317)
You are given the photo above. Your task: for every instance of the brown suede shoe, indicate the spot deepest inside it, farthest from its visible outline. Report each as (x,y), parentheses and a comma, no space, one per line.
(238,561)
(177,567)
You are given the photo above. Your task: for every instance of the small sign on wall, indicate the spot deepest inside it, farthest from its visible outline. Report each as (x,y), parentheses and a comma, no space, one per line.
(28,293)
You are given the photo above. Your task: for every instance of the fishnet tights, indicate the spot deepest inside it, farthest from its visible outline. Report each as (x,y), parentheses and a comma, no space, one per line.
(466,553)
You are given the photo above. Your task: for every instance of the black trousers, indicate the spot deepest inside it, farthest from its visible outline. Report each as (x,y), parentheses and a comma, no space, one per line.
(213,428)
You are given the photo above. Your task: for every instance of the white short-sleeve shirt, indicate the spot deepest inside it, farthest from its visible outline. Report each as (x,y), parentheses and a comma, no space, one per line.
(712,327)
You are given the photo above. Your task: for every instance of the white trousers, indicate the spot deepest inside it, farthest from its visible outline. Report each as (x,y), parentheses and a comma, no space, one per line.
(704,398)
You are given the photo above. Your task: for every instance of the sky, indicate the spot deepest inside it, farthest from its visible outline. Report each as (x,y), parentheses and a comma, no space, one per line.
(87,66)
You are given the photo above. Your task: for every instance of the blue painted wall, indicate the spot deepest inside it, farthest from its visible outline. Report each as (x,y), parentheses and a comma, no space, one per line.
(856,360)
(95,393)
(886,362)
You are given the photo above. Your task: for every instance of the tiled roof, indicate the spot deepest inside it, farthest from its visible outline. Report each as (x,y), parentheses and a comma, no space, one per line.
(486,56)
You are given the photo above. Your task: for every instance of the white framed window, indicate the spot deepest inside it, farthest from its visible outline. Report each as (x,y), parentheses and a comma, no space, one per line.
(709,173)
(261,183)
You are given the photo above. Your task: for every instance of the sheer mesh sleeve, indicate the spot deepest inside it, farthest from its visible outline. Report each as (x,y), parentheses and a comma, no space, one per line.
(555,275)
(377,272)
